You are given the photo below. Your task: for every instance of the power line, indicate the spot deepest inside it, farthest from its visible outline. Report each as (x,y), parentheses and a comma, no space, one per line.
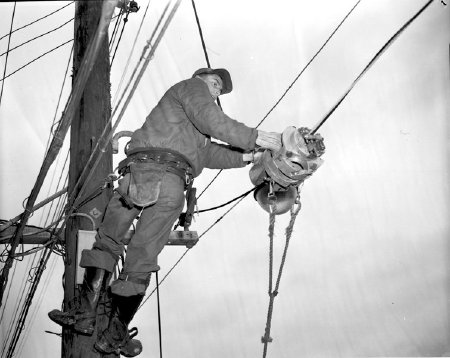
(35,38)
(57,141)
(114,32)
(105,137)
(203,42)
(309,62)
(31,23)
(290,86)
(187,250)
(369,65)
(131,52)
(125,20)
(37,58)
(6,60)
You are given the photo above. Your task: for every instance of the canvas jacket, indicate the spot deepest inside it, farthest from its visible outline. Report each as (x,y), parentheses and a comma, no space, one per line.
(185,119)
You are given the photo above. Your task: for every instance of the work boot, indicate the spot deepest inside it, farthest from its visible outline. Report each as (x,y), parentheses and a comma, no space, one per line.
(117,338)
(82,314)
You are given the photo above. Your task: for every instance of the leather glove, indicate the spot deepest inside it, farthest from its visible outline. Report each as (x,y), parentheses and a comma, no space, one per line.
(269,140)
(252,157)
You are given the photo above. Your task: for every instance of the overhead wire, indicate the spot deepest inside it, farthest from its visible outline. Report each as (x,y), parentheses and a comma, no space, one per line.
(45,256)
(36,37)
(34,314)
(6,60)
(187,250)
(130,54)
(125,20)
(59,97)
(293,82)
(208,64)
(56,143)
(35,59)
(321,48)
(41,18)
(116,26)
(105,137)
(369,65)
(309,63)
(21,322)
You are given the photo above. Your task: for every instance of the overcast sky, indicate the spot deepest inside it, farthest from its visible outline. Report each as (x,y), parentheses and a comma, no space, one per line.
(367,269)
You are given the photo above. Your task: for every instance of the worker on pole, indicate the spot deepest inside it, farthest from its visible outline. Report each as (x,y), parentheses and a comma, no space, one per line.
(163,157)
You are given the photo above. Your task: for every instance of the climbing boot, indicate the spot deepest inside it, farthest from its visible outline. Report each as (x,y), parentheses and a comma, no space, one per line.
(117,338)
(82,313)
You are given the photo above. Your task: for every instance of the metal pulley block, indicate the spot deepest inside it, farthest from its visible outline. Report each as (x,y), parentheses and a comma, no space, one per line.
(282,172)
(298,159)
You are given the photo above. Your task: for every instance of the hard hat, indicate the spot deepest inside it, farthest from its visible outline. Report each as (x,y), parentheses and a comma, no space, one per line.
(222,73)
(282,200)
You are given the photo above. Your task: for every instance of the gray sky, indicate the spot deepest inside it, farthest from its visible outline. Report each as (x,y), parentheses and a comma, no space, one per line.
(367,269)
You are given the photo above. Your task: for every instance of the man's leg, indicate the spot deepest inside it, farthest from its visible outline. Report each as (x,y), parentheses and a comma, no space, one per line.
(99,262)
(152,233)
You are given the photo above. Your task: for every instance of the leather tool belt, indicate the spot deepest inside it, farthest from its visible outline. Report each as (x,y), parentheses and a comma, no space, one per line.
(176,163)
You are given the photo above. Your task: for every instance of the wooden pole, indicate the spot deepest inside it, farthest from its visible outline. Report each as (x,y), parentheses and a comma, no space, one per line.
(89,121)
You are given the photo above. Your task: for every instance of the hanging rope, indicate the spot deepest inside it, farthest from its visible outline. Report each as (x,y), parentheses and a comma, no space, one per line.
(274,292)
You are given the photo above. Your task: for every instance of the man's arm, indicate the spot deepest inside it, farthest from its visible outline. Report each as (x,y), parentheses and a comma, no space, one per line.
(221,156)
(209,119)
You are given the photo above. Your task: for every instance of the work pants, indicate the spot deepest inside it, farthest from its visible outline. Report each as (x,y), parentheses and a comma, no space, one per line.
(151,234)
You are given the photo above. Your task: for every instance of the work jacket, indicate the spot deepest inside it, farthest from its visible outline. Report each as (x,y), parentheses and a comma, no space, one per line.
(185,119)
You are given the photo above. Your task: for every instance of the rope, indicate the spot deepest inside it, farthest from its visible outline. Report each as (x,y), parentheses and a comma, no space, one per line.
(7,53)
(274,292)
(372,61)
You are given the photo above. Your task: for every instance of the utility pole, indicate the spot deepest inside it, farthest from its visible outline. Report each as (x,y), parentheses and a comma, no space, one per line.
(89,121)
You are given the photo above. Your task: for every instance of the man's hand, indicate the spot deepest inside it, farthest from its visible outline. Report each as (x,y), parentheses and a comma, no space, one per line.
(252,157)
(269,140)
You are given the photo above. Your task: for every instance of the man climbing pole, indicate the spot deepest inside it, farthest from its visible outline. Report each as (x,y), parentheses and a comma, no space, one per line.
(163,157)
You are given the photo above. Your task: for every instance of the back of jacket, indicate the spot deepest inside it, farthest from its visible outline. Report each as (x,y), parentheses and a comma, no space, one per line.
(185,119)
